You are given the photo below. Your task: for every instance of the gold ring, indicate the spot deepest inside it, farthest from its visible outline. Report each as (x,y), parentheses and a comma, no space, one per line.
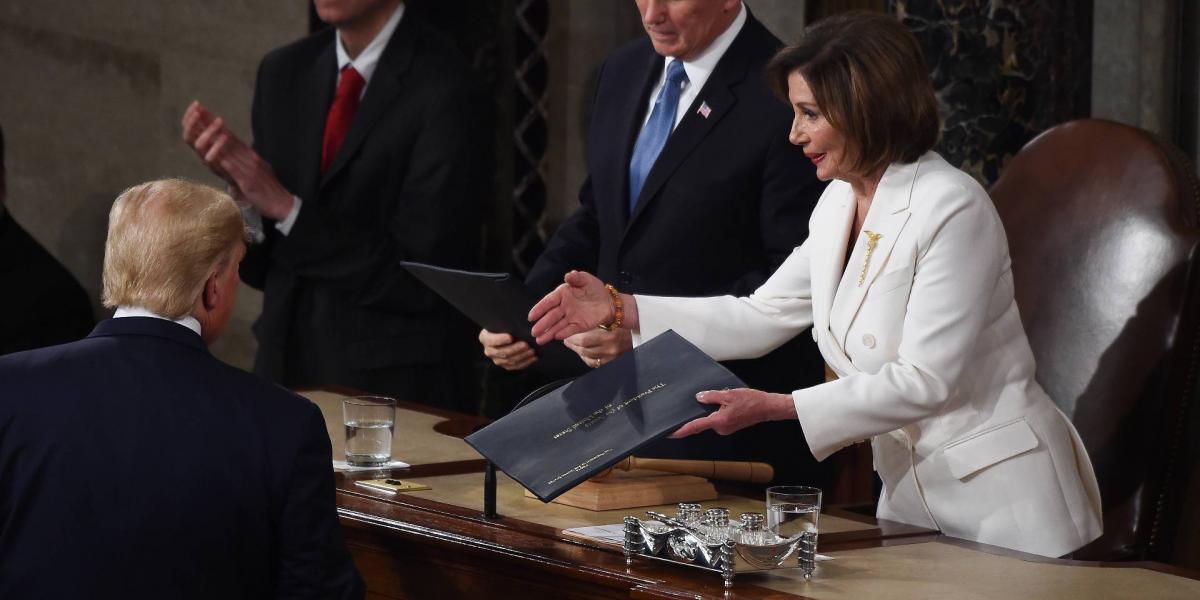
(596,362)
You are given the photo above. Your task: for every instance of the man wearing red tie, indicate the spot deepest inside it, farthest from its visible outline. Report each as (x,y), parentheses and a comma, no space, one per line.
(366,152)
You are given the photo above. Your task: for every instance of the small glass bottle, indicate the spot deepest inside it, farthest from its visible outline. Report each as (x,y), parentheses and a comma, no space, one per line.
(753,528)
(688,513)
(716,521)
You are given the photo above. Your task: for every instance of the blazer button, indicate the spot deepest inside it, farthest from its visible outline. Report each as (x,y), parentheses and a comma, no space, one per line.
(868,340)
(624,278)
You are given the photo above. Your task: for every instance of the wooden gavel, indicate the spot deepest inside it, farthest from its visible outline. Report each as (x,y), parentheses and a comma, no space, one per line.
(725,470)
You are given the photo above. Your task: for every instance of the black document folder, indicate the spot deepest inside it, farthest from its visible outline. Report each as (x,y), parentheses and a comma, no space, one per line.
(496,302)
(559,440)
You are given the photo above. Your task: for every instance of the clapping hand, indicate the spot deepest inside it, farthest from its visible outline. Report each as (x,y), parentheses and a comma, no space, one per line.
(579,304)
(207,136)
(251,179)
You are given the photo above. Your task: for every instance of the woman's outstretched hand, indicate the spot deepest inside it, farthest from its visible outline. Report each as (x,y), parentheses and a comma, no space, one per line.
(737,410)
(580,304)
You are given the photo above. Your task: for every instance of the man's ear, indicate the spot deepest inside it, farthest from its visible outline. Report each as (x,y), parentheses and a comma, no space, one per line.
(212,291)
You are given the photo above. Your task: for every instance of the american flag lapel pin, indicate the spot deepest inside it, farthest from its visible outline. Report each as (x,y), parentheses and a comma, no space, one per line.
(704,110)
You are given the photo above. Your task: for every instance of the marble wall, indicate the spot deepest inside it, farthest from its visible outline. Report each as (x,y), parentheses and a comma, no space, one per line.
(1004,70)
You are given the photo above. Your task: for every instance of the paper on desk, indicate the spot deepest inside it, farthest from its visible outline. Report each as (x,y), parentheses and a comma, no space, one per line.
(610,534)
(341,465)
(615,534)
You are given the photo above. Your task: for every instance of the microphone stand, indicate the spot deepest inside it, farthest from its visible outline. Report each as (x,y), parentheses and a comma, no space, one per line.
(489,469)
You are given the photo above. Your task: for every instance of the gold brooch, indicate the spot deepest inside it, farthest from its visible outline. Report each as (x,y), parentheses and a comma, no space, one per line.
(872,240)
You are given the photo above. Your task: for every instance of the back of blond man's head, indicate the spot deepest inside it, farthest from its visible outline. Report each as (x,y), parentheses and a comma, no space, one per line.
(165,238)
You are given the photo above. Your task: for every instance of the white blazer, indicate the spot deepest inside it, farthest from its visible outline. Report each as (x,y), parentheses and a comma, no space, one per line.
(932,361)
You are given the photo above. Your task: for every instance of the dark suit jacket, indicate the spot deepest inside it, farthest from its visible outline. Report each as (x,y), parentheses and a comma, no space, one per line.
(133,464)
(408,183)
(725,203)
(44,305)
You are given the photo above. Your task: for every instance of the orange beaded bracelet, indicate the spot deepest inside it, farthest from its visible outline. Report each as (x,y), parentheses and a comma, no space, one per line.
(618,309)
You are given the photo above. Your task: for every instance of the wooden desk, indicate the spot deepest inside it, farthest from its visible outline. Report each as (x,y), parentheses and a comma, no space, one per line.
(435,544)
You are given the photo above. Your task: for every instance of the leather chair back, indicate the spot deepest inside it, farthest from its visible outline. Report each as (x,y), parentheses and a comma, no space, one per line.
(1102,227)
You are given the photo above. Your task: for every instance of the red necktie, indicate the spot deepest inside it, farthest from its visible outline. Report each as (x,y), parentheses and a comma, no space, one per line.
(341,114)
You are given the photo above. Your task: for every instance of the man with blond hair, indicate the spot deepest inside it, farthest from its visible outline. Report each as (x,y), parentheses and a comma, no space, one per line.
(135,464)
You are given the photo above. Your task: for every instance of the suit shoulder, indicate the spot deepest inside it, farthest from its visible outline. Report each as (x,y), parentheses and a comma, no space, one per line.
(938,178)
(759,40)
(437,60)
(302,51)
(438,46)
(271,396)
(631,54)
(943,193)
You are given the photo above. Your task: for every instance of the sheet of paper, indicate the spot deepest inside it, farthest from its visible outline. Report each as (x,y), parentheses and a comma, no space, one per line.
(613,534)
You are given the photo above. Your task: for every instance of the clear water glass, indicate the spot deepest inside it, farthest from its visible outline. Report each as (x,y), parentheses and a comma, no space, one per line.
(370,424)
(792,513)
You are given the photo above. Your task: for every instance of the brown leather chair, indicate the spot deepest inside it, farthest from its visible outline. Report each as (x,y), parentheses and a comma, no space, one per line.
(1102,227)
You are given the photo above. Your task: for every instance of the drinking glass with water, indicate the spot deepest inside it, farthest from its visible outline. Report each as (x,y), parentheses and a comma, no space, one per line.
(370,422)
(792,514)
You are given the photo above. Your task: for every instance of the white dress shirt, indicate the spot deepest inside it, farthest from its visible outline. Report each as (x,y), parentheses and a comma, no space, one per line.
(136,311)
(698,69)
(365,64)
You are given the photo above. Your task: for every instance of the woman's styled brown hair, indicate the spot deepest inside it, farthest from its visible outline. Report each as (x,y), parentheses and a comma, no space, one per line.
(871,83)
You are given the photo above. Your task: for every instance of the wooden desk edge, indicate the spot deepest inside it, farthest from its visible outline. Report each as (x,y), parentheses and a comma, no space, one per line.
(885,533)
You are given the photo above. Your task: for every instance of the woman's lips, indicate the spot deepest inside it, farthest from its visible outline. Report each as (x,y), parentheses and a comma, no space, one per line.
(816,158)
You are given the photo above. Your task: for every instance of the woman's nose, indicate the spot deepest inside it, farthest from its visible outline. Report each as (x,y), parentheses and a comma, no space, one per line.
(796,136)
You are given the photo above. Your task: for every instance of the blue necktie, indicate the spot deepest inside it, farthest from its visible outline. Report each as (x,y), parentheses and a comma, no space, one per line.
(654,133)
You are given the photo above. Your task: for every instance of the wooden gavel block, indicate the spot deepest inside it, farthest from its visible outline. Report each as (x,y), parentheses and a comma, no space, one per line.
(725,470)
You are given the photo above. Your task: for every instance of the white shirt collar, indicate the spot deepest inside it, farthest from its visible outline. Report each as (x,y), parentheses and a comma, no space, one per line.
(368,59)
(699,68)
(136,311)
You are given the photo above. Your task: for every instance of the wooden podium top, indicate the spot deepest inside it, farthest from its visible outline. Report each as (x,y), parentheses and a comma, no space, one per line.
(435,543)
(945,569)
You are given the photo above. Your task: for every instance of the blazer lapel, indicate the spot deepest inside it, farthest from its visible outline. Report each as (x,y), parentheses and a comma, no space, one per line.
(382,90)
(716,93)
(829,252)
(828,256)
(313,108)
(887,217)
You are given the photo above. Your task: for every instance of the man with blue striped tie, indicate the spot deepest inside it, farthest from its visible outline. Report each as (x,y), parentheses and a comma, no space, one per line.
(693,190)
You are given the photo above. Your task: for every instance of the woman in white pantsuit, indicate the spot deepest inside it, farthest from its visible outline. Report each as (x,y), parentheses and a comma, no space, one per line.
(918,322)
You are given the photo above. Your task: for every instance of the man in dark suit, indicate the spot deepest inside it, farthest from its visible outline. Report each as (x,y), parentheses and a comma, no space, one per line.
(51,308)
(135,464)
(714,211)
(371,146)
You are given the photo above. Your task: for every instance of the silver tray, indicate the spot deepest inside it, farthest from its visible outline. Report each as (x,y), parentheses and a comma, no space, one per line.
(669,540)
